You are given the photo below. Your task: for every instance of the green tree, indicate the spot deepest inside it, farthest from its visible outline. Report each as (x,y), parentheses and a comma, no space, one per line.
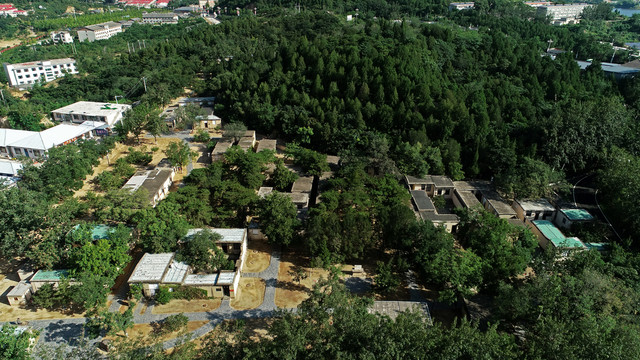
(14,345)
(283,178)
(278,218)
(203,254)
(386,279)
(137,120)
(179,154)
(311,162)
(156,125)
(234,131)
(160,228)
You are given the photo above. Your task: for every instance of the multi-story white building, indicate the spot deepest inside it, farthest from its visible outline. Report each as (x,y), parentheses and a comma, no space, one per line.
(24,75)
(82,111)
(159,18)
(563,14)
(461,5)
(61,37)
(102,31)
(10,10)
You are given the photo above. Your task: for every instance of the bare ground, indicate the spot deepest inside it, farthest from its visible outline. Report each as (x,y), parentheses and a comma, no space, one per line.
(187,306)
(259,256)
(251,294)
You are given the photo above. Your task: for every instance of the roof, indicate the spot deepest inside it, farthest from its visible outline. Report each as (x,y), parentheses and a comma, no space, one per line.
(198,100)
(303,184)
(298,198)
(535,205)
(189,8)
(160,15)
(93,108)
(437,180)
(610,67)
(151,268)
(20,289)
(467,198)
(152,180)
(221,147)
(102,26)
(435,217)
(195,280)
(176,272)
(264,191)
(577,214)
(472,185)
(554,235)
(500,206)
(245,143)
(31,64)
(516,222)
(228,235)
(266,144)
(9,167)
(422,201)
(226,278)
(53,275)
(597,246)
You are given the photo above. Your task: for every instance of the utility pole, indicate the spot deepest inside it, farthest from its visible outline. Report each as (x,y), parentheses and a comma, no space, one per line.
(118,96)
(143,44)
(144,81)
(2,94)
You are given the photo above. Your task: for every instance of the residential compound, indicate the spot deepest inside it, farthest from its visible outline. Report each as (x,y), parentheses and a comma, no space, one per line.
(562,14)
(102,31)
(82,111)
(24,75)
(154,270)
(33,144)
(461,5)
(159,18)
(157,183)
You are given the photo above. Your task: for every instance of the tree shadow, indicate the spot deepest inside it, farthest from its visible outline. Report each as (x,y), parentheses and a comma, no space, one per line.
(289,285)
(63,331)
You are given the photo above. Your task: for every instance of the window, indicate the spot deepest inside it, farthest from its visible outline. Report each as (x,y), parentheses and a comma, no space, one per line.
(40,68)
(33,69)
(19,76)
(27,76)
(18,71)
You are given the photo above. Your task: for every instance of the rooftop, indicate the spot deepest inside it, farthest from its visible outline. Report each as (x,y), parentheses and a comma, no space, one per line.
(199,280)
(20,289)
(102,26)
(516,222)
(93,108)
(245,143)
(437,180)
(472,185)
(597,246)
(53,275)
(225,278)
(176,272)
(221,147)
(159,15)
(298,198)
(266,144)
(228,235)
(554,235)
(610,67)
(48,138)
(499,205)
(435,217)
(31,64)
(536,205)
(303,184)
(422,201)
(467,198)
(99,231)
(264,191)
(393,308)
(152,180)
(577,214)
(9,167)
(151,268)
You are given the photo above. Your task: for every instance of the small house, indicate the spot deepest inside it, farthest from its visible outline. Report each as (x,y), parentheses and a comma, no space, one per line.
(539,209)
(496,205)
(303,184)
(20,294)
(448,221)
(434,185)
(565,218)
(150,271)
(266,144)
(219,150)
(157,182)
(42,277)
(549,235)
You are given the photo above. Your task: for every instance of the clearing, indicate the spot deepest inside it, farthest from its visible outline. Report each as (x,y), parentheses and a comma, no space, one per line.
(146,331)
(251,294)
(290,294)
(259,256)
(187,306)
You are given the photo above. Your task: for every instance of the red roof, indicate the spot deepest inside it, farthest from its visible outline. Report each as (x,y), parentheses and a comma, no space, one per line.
(162,1)
(5,7)
(139,2)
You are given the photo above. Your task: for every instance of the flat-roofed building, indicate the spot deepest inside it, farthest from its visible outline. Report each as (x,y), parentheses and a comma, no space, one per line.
(461,5)
(448,221)
(150,271)
(63,37)
(549,235)
(266,144)
(421,201)
(561,14)
(219,150)
(246,143)
(264,191)
(539,209)
(565,218)
(20,294)
(101,31)
(496,205)
(300,200)
(157,183)
(303,184)
(434,185)
(42,277)
(159,18)
(24,75)
(82,111)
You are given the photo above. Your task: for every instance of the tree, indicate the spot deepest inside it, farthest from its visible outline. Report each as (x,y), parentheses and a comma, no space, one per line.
(111,322)
(91,290)
(156,125)
(234,131)
(386,279)
(278,218)
(14,344)
(22,212)
(283,178)
(137,119)
(247,166)
(179,154)
(311,162)
(203,254)
(102,257)
(298,273)
(186,116)
(160,228)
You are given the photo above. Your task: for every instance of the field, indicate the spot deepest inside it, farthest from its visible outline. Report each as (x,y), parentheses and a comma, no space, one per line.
(259,256)
(251,294)
(187,306)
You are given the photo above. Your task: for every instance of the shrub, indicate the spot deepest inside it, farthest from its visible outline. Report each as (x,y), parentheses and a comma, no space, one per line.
(201,136)
(138,157)
(163,295)
(386,280)
(188,293)
(135,291)
(174,323)
(155,149)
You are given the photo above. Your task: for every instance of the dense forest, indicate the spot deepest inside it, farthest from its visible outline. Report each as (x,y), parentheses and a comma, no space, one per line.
(469,96)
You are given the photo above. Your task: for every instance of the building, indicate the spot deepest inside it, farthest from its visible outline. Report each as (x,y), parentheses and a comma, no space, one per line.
(434,185)
(266,144)
(147,4)
(154,270)
(537,4)
(187,10)
(162,3)
(427,211)
(63,37)
(461,6)
(303,184)
(9,172)
(565,218)
(207,4)
(468,194)
(562,14)
(82,111)
(209,121)
(549,235)
(617,70)
(42,277)
(11,11)
(24,75)
(159,18)
(102,31)
(219,150)
(539,209)
(32,144)
(157,183)
(299,199)
(20,294)
(496,205)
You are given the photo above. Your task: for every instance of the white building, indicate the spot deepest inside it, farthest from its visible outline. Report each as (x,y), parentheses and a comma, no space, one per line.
(159,18)
(102,31)
(32,144)
(24,75)
(563,14)
(461,5)
(61,37)
(82,111)
(10,10)
(157,182)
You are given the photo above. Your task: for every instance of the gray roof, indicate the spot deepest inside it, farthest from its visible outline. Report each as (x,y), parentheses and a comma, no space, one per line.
(266,144)
(303,184)
(221,147)
(152,180)
(535,205)
(437,180)
(298,198)
(93,108)
(498,203)
(394,308)
(472,185)
(516,222)
(422,201)
(201,280)
(159,15)
(610,68)
(102,26)
(151,268)
(228,235)
(246,143)
(30,64)
(176,272)
(467,198)
(225,278)
(20,289)
(435,217)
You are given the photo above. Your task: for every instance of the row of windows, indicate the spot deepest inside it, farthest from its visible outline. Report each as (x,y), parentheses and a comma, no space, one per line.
(41,68)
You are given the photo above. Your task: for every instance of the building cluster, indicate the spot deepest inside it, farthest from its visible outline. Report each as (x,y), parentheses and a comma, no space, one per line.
(11,11)
(540,216)
(101,31)
(148,4)
(25,75)
(155,270)
(207,121)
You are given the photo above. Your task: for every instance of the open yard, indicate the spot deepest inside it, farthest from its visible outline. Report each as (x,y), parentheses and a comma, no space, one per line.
(8,279)
(259,256)
(145,331)
(289,293)
(187,306)
(251,294)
